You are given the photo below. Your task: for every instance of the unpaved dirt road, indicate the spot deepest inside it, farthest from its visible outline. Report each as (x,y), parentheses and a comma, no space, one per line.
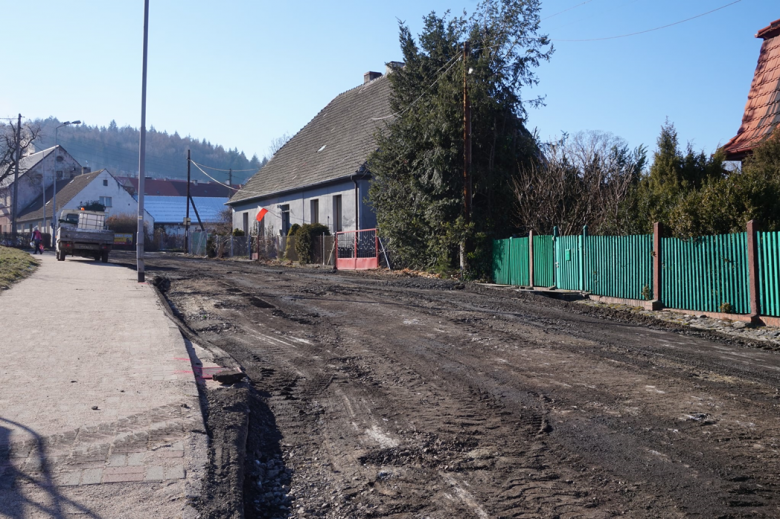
(383,396)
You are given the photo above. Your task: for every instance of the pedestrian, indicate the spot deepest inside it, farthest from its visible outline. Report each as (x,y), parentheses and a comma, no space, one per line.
(37,240)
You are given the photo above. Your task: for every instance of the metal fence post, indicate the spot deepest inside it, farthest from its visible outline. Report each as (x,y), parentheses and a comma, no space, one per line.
(583,245)
(755,308)
(555,258)
(531,259)
(657,302)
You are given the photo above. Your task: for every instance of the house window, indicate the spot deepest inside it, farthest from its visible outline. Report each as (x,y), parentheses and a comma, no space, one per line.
(60,174)
(105,200)
(105,182)
(285,210)
(338,225)
(314,205)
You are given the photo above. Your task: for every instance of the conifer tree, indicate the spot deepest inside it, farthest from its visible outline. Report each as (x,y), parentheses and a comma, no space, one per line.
(417,190)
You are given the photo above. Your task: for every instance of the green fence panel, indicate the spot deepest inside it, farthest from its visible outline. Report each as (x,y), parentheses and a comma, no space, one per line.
(510,261)
(769,272)
(619,266)
(705,273)
(519,273)
(501,271)
(544,261)
(568,256)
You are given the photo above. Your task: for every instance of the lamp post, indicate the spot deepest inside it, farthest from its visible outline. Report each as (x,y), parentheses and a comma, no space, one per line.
(54,220)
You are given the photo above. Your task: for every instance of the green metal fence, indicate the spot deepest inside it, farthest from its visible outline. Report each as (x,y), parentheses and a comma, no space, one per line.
(520,273)
(510,261)
(544,261)
(706,273)
(769,272)
(568,262)
(619,266)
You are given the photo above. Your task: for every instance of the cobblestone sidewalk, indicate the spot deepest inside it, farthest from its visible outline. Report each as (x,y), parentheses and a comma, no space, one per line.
(99,411)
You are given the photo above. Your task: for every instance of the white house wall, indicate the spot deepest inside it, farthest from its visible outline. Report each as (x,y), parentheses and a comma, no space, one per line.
(300,212)
(30,182)
(121,201)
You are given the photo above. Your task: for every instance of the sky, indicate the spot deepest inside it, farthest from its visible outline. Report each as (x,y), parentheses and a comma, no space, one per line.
(242,73)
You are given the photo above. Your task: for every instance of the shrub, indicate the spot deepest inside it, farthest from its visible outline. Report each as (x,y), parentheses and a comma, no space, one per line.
(238,232)
(291,238)
(304,239)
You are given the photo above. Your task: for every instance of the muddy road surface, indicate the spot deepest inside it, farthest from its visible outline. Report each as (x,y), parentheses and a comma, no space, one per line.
(381,396)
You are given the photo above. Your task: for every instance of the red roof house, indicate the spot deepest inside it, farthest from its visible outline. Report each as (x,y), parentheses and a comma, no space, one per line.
(762,111)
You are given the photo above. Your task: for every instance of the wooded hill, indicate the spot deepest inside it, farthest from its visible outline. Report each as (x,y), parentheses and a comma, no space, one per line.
(116,149)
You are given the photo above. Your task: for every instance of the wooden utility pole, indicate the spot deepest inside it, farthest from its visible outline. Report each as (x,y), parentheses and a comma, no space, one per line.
(187,216)
(14,205)
(466,155)
(230,177)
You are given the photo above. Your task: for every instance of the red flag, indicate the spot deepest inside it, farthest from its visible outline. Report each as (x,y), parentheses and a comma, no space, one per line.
(261,214)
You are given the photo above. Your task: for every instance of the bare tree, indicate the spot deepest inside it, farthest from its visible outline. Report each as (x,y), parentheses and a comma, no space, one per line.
(9,144)
(278,142)
(585,180)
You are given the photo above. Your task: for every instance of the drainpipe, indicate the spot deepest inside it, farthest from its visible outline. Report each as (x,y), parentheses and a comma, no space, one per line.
(357,203)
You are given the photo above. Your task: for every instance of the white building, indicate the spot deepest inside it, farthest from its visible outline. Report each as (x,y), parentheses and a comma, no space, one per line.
(320,175)
(97,186)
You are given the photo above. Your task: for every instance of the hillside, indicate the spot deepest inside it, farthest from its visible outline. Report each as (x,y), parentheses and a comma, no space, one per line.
(116,149)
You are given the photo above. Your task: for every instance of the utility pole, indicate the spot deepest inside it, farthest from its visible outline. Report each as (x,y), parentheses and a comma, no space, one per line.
(16,175)
(230,177)
(466,156)
(187,216)
(139,247)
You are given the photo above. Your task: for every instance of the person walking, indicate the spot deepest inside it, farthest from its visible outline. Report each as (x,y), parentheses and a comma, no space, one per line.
(37,240)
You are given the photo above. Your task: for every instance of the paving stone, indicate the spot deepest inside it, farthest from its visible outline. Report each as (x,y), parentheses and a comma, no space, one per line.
(117,460)
(69,478)
(91,476)
(175,472)
(154,473)
(120,474)
(136,458)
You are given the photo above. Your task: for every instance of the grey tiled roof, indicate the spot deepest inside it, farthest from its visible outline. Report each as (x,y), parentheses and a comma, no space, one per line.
(27,163)
(64,195)
(335,144)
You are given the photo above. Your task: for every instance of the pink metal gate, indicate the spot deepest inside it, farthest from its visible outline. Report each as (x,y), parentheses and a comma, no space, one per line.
(357,250)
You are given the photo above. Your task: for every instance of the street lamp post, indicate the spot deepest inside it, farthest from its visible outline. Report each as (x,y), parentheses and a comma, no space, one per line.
(54,220)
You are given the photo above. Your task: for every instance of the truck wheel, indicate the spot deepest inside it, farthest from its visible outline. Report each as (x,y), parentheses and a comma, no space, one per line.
(97,257)
(104,257)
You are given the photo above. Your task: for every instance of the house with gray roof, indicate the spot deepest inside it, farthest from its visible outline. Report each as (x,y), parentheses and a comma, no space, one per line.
(36,174)
(97,186)
(320,174)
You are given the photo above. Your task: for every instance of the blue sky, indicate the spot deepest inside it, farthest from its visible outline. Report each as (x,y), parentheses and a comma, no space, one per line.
(243,72)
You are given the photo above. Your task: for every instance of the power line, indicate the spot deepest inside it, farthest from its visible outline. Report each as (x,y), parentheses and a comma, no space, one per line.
(565,10)
(226,170)
(455,59)
(655,28)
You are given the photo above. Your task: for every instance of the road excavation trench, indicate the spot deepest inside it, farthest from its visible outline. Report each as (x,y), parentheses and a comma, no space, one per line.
(385,396)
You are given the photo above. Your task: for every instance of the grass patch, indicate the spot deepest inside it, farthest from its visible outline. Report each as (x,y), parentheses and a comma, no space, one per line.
(14,265)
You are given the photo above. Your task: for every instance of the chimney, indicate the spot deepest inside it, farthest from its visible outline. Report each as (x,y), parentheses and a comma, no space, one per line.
(390,66)
(84,170)
(370,76)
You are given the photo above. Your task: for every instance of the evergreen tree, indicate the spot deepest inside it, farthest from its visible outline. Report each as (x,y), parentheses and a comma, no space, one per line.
(672,177)
(417,190)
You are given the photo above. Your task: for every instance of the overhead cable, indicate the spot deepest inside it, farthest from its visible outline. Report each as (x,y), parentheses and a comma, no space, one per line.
(565,10)
(653,29)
